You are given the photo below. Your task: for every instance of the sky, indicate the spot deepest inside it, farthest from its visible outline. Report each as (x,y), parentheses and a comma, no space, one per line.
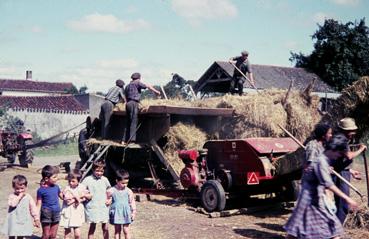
(94,42)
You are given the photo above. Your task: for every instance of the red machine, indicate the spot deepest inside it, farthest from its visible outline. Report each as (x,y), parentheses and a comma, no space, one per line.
(229,168)
(12,144)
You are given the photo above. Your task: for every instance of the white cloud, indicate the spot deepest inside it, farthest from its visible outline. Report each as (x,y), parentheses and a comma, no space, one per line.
(346,2)
(8,71)
(125,63)
(319,17)
(197,10)
(106,23)
(36,29)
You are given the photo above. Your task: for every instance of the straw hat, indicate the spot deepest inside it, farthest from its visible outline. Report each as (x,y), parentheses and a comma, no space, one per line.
(347,124)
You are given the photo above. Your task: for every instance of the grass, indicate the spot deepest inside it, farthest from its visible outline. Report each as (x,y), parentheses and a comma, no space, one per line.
(70,148)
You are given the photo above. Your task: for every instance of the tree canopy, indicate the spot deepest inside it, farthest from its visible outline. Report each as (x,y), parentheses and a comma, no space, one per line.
(341,53)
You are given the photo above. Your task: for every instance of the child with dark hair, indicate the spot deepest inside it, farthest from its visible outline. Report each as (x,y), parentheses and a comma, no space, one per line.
(311,219)
(22,211)
(48,201)
(123,208)
(73,211)
(97,206)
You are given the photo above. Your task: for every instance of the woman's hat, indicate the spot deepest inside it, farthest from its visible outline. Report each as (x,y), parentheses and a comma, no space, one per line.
(347,124)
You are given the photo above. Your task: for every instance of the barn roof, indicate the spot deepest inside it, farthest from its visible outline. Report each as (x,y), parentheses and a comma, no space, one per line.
(42,103)
(34,86)
(218,75)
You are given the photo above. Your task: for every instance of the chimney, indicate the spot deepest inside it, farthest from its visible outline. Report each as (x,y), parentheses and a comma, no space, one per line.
(28,75)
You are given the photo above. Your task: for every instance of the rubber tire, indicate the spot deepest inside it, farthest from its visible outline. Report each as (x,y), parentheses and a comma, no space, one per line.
(26,157)
(11,158)
(212,196)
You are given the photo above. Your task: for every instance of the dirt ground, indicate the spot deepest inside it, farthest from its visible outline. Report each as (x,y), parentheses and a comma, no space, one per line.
(169,218)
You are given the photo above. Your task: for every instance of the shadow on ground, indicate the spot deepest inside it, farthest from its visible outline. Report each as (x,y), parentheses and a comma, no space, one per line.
(253,233)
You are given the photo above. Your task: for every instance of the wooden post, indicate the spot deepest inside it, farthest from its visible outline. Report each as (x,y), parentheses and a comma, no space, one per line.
(193,92)
(162,90)
(366,174)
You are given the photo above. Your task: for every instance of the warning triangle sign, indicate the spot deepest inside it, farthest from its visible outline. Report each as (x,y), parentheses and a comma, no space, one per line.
(252,178)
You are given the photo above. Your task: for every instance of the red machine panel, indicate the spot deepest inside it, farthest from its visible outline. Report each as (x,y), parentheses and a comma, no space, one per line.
(243,157)
(277,145)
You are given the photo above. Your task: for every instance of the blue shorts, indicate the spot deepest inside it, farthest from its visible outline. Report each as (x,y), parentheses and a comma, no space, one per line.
(49,216)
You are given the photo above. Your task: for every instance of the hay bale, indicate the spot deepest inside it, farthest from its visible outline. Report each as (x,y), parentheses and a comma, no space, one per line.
(182,136)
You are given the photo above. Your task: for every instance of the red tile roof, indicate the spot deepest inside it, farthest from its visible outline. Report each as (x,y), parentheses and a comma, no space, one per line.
(42,103)
(34,86)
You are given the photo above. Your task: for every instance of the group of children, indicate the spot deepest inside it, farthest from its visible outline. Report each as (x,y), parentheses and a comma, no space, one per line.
(93,201)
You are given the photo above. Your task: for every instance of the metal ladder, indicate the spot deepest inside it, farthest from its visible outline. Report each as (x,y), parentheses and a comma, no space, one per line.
(94,157)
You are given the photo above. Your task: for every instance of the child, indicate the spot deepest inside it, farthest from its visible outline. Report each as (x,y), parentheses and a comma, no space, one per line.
(22,211)
(97,208)
(123,209)
(73,211)
(48,201)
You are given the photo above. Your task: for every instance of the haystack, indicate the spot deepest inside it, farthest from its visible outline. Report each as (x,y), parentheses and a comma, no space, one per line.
(354,102)
(182,136)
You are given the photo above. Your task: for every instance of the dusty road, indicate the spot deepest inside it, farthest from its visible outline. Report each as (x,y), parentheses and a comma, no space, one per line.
(166,218)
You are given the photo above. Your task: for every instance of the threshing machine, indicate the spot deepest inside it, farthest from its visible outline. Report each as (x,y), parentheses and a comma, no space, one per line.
(222,169)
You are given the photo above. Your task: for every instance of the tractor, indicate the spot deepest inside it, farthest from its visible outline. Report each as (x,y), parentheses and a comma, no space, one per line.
(13,144)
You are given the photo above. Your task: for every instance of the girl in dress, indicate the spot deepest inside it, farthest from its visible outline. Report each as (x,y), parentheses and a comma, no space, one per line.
(97,206)
(311,219)
(123,208)
(22,211)
(73,211)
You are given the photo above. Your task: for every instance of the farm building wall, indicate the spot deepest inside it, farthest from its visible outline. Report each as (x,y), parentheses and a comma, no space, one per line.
(47,124)
(92,102)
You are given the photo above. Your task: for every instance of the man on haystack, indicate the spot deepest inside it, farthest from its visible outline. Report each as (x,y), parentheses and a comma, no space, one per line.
(133,95)
(347,128)
(243,64)
(114,95)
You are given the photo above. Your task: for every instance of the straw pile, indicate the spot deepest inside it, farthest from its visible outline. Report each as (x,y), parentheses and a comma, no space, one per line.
(354,102)
(358,218)
(182,136)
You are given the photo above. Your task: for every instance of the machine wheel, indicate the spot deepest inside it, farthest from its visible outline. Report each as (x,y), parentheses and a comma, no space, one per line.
(212,196)
(225,178)
(11,158)
(26,157)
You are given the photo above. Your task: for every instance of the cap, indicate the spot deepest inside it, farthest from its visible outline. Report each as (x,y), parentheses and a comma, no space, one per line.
(347,124)
(119,83)
(245,53)
(135,76)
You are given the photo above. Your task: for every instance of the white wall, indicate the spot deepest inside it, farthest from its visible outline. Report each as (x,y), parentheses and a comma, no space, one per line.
(24,93)
(47,124)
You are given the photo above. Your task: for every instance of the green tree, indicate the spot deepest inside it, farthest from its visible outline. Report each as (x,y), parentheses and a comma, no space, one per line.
(340,55)
(83,89)
(72,90)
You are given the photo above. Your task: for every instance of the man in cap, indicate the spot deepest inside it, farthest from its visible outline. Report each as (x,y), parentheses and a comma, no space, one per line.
(243,65)
(347,128)
(133,94)
(114,95)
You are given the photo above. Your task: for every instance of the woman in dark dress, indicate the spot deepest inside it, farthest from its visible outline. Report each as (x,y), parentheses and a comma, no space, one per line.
(311,218)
